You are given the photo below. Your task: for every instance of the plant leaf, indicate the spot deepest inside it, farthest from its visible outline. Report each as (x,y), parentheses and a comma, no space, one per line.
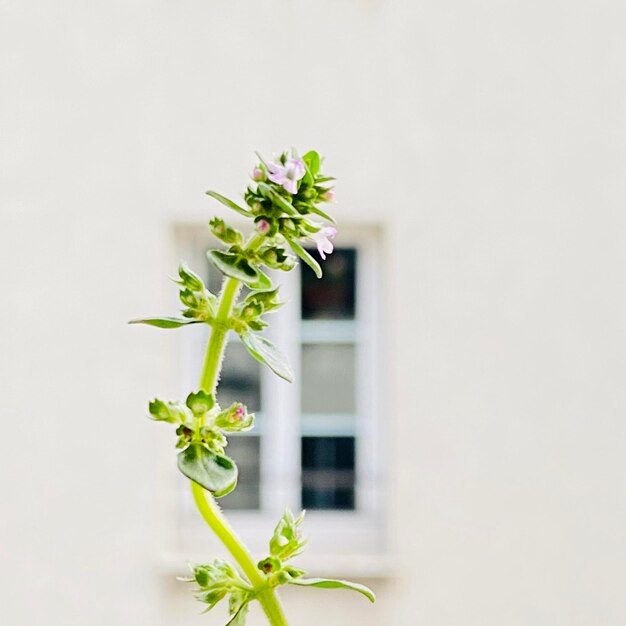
(215,472)
(306,257)
(237,267)
(239,618)
(308,179)
(263,282)
(229,203)
(276,198)
(261,159)
(312,159)
(315,209)
(330,583)
(266,352)
(165,322)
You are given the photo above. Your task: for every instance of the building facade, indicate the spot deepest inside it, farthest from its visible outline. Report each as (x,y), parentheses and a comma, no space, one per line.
(459,437)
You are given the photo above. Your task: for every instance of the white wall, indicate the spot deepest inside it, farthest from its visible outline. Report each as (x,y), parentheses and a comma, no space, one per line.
(489,139)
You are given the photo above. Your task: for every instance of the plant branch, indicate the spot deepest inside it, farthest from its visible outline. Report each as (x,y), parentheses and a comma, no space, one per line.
(217,343)
(208,507)
(213,516)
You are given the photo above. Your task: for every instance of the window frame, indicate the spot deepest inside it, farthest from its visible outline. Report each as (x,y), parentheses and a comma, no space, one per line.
(336,532)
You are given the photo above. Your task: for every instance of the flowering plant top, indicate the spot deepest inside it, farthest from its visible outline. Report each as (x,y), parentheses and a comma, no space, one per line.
(284,200)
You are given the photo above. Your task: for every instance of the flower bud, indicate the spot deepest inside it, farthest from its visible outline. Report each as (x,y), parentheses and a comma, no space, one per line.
(188,298)
(159,411)
(287,540)
(328,195)
(234,419)
(200,402)
(263,226)
(269,565)
(189,279)
(239,326)
(287,225)
(257,174)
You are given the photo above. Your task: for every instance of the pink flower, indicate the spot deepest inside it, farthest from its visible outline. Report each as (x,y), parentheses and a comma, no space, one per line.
(329,195)
(238,414)
(263,226)
(287,175)
(257,174)
(323,240)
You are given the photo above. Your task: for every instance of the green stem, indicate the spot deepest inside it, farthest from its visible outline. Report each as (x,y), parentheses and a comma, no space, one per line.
(205,502)
(216,521)
(217,343)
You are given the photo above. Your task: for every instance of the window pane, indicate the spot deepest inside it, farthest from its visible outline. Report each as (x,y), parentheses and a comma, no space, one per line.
(245,450)
(241,382)
(328,472)
(241,378)
(328,378)
(333,295)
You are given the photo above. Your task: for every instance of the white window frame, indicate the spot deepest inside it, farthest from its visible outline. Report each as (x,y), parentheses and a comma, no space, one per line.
(339,535)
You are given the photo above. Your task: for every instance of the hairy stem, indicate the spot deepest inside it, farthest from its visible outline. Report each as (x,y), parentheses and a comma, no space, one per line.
(217,343)
(216,521)
(208,507)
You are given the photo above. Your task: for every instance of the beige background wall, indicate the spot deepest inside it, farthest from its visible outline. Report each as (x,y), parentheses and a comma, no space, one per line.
(487,138)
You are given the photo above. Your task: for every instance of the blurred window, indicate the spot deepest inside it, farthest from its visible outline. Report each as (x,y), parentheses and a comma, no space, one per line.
(314,445)
(328,382)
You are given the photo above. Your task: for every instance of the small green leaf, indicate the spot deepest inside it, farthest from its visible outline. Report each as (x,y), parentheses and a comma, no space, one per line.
(229,203)
(308,180)
(269,565)
(200,402)
(172,412)
(224,232)
(294,572)
(276,198)
(160,411)
(266,352)
(306,257)
(262,283)
(165,322)
(315,209)
(267,299)
(239,618)
(215,472)
(189,278)
(329,583)
(211,597)
(236,267)
(287,540)
(312,159)
(235,418)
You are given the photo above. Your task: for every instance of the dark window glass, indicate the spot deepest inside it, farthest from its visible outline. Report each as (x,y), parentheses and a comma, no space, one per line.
(245,450)
(333,295)
(328,472)
(241,378)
